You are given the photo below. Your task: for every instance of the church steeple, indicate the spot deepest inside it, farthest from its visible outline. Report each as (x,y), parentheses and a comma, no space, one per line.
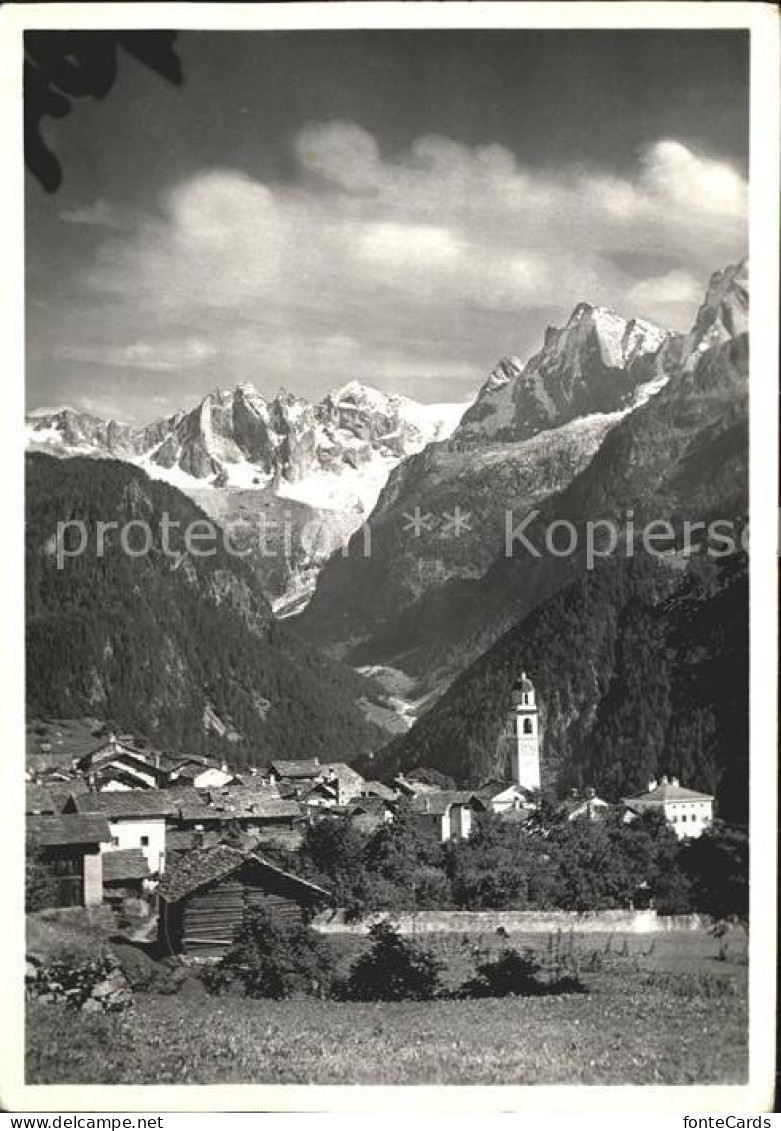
(524,722)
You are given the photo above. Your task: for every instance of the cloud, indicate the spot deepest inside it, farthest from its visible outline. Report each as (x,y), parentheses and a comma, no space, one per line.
(100,214)
(674,287)
(154,356)
(436,260)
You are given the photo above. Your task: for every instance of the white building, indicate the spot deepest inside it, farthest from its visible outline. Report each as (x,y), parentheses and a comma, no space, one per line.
(136,818)
(525,730)
(688,812)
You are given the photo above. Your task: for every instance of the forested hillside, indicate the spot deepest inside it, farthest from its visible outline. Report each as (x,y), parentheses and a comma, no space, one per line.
(182,649)
(640,670)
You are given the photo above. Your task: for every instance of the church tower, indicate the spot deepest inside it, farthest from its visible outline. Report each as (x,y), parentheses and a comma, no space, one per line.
(525,728)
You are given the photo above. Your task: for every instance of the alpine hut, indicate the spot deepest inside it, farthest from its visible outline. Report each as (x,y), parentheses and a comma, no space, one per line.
(206,894)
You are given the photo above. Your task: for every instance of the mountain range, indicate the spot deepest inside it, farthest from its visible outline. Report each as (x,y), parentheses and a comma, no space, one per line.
(670,442)
(309,473)
(640,662)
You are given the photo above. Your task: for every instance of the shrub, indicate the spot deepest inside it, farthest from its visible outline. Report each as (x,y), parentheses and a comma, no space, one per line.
(393,970)
(271,960)
(513,974)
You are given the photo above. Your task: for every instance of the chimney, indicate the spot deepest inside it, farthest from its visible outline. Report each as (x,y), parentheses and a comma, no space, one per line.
(652,785)
(664,779)
(573,793)
(674,781)
(591,792)
(224,767)
(253,771)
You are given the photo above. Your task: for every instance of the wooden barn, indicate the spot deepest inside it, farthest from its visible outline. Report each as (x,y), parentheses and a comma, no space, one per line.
(206,894)
(67,849)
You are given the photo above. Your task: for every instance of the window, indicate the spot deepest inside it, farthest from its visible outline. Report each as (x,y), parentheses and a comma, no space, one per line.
(144,841)
(684,817)
(527,726)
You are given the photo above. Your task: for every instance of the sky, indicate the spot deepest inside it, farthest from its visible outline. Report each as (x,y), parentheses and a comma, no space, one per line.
(400,208)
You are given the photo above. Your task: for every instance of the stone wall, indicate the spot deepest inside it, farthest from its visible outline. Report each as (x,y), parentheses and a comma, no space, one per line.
(539,922)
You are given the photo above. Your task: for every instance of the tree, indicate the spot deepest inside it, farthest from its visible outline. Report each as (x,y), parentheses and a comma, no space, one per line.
(271,960)
(717,866)
(394,969)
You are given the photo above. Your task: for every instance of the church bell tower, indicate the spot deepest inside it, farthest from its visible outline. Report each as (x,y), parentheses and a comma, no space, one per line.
(525,727)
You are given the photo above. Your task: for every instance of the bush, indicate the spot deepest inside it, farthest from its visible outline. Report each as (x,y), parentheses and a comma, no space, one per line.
(513,974)
(393,970)
(271,960)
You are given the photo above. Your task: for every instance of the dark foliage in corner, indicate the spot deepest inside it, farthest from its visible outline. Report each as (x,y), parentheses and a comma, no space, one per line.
(62,65)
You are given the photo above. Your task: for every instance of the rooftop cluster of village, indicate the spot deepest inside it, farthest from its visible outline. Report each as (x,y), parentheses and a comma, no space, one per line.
(123,824)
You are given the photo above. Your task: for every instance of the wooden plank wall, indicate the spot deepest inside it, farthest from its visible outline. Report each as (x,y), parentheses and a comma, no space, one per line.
(211,917)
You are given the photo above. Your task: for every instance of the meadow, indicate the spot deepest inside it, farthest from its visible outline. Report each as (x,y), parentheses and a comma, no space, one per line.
(666,1009)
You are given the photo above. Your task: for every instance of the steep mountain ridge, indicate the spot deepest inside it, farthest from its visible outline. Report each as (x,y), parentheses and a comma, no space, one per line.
(531,431)
(680,456)
(179,646)
(639,670)
(302,476)
(591,365)
(239,437)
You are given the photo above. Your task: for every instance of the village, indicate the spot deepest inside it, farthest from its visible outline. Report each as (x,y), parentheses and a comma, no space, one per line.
(179,846)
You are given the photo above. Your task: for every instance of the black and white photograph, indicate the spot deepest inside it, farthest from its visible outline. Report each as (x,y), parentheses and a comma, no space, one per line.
(388,717)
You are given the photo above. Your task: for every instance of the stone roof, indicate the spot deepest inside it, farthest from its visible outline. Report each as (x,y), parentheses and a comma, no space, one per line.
(118,803)
(303,768)
(379,789)
(666,792)
(204,866)
(124,864)
(243,809)
(68,828)
(51,798)
(437,802)
(370,805)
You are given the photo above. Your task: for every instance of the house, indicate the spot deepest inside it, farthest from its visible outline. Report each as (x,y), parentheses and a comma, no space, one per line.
(126,879)
(449,812)
(586,807)
(247,808)
(137,818)
(503,797)
(346,781)
(206,894)
(321,795)
(117,765)
(379,789)
(688,812)
(68,847)
(41,800)
(302,770)
(371,813)
(411,786)
(202,774)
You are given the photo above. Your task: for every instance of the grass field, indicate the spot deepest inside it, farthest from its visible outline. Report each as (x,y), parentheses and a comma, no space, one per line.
(660,1010)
